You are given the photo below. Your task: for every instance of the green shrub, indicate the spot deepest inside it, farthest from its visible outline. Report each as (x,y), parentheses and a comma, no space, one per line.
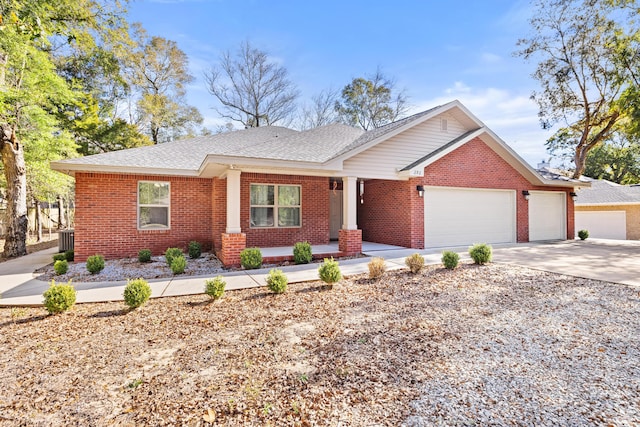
(195,249)
(178,264)
(302,253)
(583,234)
(95,264)
(415,262)
(277,281)
(480,253)
(59,297)
(144,255)
(251,258)
(377,267)
(59,257)
(215,287)
(69,255)
(172,253)
(329,272)
(450,259)
(61,266)
(136,293)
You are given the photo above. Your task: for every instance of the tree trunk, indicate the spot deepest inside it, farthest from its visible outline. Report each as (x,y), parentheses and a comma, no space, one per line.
(15,173)
(38,219)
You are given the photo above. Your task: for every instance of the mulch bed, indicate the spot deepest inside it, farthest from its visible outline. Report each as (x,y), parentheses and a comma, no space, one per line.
(363,353)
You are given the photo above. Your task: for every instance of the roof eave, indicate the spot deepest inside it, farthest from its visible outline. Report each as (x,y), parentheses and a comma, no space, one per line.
(72,168)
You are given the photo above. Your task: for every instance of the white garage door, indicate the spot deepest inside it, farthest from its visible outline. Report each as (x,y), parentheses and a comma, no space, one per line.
(603,224)
(457,217)
(547,215)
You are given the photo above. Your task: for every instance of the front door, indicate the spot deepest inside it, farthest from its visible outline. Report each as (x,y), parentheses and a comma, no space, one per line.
(335,213)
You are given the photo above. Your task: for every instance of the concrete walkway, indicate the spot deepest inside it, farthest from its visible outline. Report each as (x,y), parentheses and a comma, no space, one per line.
(613,261)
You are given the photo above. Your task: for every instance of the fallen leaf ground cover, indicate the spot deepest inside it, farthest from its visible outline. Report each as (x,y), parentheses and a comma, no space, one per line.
(383,352)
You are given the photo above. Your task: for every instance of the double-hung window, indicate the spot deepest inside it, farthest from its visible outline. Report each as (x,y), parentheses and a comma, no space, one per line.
(275,205)
(154,202)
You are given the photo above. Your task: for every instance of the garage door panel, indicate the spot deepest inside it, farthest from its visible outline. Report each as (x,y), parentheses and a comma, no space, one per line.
(457,217)
(603,224)
(547,215)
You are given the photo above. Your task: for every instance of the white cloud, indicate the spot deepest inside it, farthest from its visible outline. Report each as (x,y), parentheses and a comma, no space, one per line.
(512,116)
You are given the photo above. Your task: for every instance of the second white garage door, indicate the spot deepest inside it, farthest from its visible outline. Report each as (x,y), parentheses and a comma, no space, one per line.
(547,215)
(457,217)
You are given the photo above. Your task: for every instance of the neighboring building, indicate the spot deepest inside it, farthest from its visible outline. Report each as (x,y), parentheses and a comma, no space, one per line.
(609,210)
(439,178)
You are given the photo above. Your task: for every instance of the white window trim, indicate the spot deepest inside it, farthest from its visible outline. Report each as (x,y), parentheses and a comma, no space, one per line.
(138,206)
(275,206)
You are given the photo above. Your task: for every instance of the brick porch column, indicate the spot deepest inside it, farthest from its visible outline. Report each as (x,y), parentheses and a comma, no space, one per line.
(350,241)
(232,245)
(234,240)
(349,237)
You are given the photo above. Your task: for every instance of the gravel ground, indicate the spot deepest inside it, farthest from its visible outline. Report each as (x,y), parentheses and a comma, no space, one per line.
(493,345)
(130,268)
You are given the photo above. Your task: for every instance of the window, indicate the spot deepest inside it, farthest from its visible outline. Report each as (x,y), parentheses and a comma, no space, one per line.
(154,199)
(275,205)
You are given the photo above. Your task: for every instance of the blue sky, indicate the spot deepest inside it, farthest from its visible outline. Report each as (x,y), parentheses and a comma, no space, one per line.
(436,50)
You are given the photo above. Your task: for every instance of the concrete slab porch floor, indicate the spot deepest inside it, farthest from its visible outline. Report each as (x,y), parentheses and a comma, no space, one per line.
(609,260)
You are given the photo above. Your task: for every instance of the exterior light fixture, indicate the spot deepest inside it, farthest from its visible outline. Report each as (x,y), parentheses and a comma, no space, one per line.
(420,189)
(361,191)
(526,194)
(573,195)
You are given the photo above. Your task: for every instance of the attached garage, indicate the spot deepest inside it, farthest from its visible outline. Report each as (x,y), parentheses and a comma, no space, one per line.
(547,215)
(464,216)
(603,224)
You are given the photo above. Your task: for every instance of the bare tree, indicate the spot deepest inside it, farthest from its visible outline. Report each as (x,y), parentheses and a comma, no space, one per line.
(371,102)
(252,89)
(321,111)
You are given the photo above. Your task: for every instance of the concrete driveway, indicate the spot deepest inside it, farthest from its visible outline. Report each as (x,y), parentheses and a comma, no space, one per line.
(609,260)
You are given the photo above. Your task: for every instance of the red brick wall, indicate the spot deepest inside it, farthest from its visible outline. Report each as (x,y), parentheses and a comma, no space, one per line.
(106,215)
(219,211)
(393,213)
(315,211)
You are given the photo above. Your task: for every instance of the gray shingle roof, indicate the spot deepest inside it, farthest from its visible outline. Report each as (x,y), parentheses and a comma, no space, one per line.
(607,192)
(268,142)
(557,175)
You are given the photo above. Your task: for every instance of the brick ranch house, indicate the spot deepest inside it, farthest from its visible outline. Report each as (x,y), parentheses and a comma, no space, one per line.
(439,178)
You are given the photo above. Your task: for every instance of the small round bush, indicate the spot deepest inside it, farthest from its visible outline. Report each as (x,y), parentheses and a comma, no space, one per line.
(136,293)
(450,259)
(195,249)
(251,258)
(59,257)
(144,255)
(377,267)
(302,253)
(583,234)
(95,264)
(178,264)
(172,253)
(69,255)
(61,266)
(329,272)
(277,281)
(59,297)
(215,287)
(415,262)
(480,253)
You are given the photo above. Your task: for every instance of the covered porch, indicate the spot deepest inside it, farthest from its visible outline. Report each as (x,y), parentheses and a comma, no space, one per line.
(285,253)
